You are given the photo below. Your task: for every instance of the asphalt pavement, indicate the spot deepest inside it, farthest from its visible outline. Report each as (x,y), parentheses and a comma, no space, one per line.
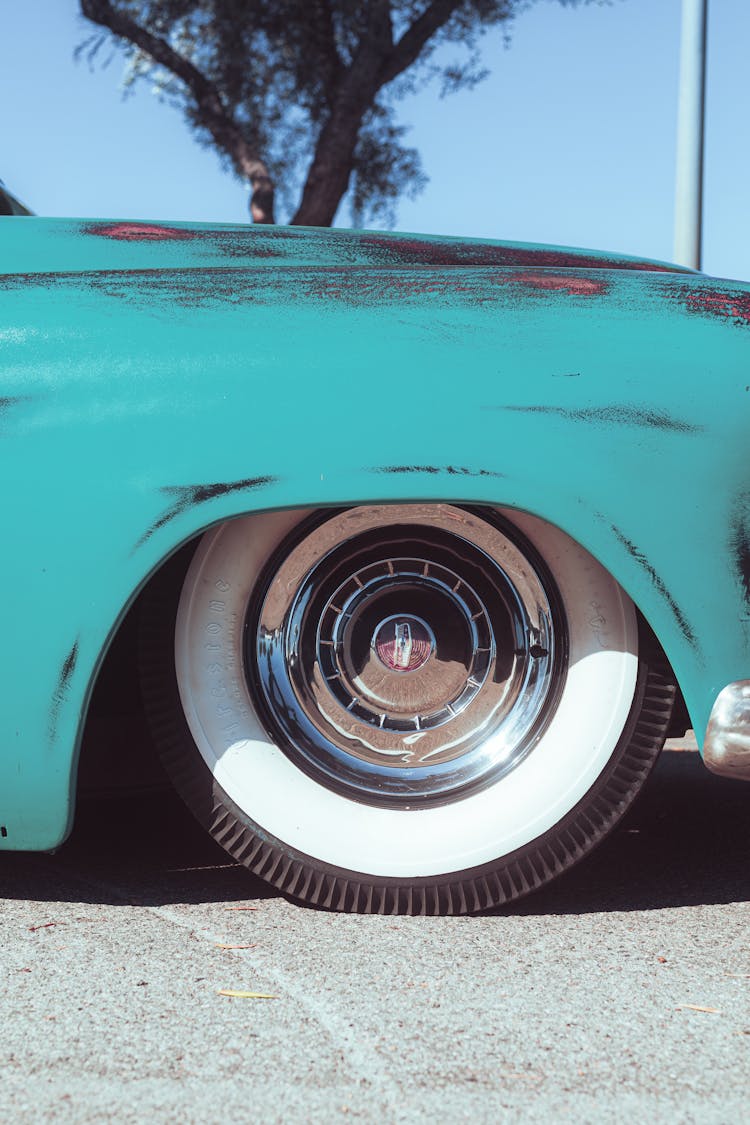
(620,992)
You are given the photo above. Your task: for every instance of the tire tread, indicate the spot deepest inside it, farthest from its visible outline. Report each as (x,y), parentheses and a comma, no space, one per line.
(331,888)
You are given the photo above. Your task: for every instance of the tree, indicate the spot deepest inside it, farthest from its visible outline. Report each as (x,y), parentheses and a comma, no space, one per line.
(295,92)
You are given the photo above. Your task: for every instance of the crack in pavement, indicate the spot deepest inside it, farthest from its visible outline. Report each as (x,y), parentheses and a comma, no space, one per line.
(355,1047)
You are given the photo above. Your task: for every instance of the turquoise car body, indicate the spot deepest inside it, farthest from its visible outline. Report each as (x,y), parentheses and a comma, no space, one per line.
(158,379)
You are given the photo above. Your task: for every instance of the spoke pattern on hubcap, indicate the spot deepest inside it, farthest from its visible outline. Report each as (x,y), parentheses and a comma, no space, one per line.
(408,658)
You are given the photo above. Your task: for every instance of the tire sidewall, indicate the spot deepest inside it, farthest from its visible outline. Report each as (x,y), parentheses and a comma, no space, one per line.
(229,750)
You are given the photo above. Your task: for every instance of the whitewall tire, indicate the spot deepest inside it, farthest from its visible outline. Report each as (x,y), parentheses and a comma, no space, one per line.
(401,708)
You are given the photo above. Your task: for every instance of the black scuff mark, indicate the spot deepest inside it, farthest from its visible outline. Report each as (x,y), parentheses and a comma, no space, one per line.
(450,470)
(9,402)
(185,496)
(60,693)
(659,585)
(187,286)
(739,542)
(334,285)
(239,242)
(10,282)
(613,415)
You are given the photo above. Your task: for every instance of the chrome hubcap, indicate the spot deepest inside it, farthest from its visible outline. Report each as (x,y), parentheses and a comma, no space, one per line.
(407,654)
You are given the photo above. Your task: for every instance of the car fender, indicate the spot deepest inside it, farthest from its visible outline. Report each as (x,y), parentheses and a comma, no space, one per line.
(153,404)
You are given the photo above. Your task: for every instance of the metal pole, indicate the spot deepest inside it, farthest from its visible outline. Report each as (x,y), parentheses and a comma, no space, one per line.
(690,129)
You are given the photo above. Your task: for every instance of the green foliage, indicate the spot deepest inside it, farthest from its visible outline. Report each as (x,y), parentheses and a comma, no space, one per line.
(279,65)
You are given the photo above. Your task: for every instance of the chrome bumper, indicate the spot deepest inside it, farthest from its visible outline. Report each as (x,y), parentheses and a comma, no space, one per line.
(726,749)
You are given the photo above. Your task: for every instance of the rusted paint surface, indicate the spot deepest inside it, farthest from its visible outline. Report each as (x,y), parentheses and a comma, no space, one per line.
(232,242)
(378,249)
(615,415)
(103,244)
(428,252)
(354,287)
(729,305)
(61,690)
(659,584)
(140,232)
(191,495)
(449,470)
(13,282)
(579,286)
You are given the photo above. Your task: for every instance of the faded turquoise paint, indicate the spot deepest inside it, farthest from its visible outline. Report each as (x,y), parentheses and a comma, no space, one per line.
(137,408)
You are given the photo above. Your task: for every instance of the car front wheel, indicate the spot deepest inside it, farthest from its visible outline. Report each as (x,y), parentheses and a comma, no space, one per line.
(410,708)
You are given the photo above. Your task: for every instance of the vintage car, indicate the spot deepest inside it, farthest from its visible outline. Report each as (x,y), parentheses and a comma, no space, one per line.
(427,544)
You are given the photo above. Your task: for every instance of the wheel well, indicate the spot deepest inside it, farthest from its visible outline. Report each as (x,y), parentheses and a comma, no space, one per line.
(117,751)
(680,722)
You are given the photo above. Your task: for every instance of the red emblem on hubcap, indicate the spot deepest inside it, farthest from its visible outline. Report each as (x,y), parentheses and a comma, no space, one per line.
(403,644)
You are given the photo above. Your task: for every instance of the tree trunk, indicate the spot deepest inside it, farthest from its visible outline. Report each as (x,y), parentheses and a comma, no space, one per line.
(262,197)
(328,175)
(328,178)
(377,62)
(210,110)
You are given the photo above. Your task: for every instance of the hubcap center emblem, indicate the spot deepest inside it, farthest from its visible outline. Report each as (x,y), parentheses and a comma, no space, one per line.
(403,643)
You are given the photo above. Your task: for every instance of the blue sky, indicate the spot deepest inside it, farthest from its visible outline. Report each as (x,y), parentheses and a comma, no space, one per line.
(570,141)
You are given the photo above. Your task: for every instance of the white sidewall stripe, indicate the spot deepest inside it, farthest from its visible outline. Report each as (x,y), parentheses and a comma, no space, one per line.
(400,843)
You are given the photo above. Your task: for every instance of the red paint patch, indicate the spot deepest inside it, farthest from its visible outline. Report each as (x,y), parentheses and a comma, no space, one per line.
(423,252)
(403,646)
(712,302)
(140,232)
(578,286)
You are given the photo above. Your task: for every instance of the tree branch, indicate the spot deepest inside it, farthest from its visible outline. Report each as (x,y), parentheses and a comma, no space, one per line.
(413,41)
(328,175)
(377,62)
(211,111)
(323,19)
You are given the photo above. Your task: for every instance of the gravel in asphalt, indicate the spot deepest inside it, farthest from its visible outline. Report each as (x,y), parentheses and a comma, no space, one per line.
(584,1002)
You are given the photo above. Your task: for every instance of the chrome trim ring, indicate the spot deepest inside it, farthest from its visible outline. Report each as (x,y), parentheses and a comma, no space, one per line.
(407,654)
